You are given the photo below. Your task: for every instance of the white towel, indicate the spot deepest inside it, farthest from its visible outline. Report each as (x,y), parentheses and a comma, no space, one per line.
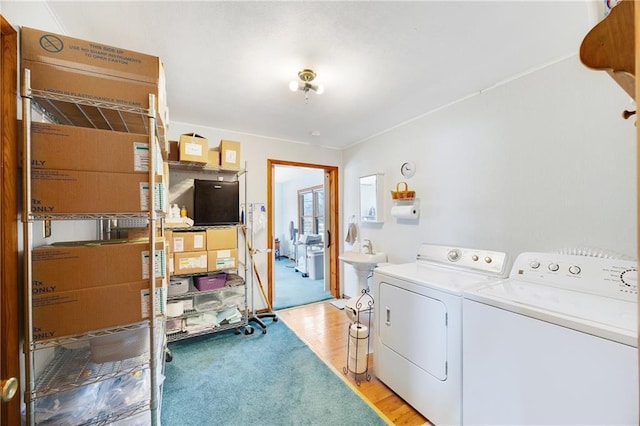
(352,233)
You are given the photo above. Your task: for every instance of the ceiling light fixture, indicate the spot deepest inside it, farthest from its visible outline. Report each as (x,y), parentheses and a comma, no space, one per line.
(306,76)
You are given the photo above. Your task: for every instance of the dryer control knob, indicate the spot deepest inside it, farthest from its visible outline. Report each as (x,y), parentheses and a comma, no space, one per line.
(534,264)
(575,270)
(475,258)
(488,259)
(553,267)
(454,255)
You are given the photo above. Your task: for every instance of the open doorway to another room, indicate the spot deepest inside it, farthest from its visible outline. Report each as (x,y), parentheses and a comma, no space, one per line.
(301,237)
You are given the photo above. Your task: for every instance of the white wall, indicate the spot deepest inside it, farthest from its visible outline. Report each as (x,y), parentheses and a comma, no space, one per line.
(539,163)
(34,14)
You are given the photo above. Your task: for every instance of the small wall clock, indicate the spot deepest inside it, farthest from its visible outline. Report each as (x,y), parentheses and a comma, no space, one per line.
(408,169)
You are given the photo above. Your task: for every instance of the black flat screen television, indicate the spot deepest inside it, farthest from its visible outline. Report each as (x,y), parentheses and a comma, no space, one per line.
(216,202)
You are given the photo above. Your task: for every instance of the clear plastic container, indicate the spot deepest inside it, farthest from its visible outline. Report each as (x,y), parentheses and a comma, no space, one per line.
(207,302)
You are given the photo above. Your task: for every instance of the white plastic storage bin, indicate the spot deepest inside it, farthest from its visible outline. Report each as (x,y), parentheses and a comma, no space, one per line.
(315,262)
(178,286)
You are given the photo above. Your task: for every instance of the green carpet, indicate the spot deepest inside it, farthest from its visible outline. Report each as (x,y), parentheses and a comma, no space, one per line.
(259,379)
(292,289)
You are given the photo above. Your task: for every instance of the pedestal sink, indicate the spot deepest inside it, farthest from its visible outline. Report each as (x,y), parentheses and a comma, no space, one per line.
(363,264)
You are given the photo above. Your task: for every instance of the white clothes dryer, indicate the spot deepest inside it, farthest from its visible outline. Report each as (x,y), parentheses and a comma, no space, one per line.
(418,325)
(555,343)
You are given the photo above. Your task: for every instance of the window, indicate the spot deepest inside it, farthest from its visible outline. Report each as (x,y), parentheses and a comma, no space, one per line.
(311,210)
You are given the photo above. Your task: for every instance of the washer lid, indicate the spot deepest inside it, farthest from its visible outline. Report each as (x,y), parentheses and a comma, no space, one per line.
(605,317)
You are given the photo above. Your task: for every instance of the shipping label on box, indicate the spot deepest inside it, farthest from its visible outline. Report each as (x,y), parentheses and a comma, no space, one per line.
(189,241)
(229,154)
(189,263)
(160,264)
(145,305)
(222,238)
(159,200)
(222,259)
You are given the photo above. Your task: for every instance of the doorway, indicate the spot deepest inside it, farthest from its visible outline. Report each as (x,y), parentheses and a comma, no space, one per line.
(302,233)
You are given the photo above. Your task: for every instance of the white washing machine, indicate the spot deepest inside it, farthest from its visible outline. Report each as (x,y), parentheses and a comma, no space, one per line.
(418,325)
(555,343)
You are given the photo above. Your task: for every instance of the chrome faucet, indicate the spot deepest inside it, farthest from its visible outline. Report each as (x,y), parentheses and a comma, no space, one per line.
(366,244)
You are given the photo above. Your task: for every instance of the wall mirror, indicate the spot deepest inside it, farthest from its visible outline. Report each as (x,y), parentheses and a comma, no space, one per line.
(371,201)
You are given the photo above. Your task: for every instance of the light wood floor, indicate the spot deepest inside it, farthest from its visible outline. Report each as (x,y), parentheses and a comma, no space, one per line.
(325,329)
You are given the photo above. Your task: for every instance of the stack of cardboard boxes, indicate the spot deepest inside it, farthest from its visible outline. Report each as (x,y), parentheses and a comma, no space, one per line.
(96,162)
(194,148)
(82,170)
(83,286)
(199,252)
(203,257)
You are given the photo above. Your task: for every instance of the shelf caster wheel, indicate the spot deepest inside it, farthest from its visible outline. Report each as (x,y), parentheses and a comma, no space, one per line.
(237,331)
(248,330)
(168,356)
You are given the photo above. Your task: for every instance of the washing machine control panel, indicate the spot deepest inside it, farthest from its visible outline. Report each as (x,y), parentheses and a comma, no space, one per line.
(595,275)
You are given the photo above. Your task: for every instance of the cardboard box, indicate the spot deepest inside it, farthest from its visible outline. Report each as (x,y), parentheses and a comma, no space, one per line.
(174,151)
(98,72)
(189,262)
(210,282)
(76,265)
(188,241)
(71,191)
(94,308)
(229,154)
(168,236)
(163,203)
(222,238)
(214,158)
(79,148)
(194,148)
(141,234)
(222,259)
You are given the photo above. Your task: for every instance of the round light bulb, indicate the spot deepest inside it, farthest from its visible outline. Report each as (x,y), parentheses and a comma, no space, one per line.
(320,89)
(293,85)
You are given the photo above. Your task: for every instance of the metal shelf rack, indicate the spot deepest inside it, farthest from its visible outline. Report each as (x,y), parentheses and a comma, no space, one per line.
(69,369)
(188,172)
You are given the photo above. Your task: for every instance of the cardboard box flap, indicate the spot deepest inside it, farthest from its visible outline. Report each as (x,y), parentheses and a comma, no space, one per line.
(193,135)
(69,52)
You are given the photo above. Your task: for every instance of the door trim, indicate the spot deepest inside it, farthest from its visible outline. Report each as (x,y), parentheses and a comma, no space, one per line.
(331,197)
(9,260)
